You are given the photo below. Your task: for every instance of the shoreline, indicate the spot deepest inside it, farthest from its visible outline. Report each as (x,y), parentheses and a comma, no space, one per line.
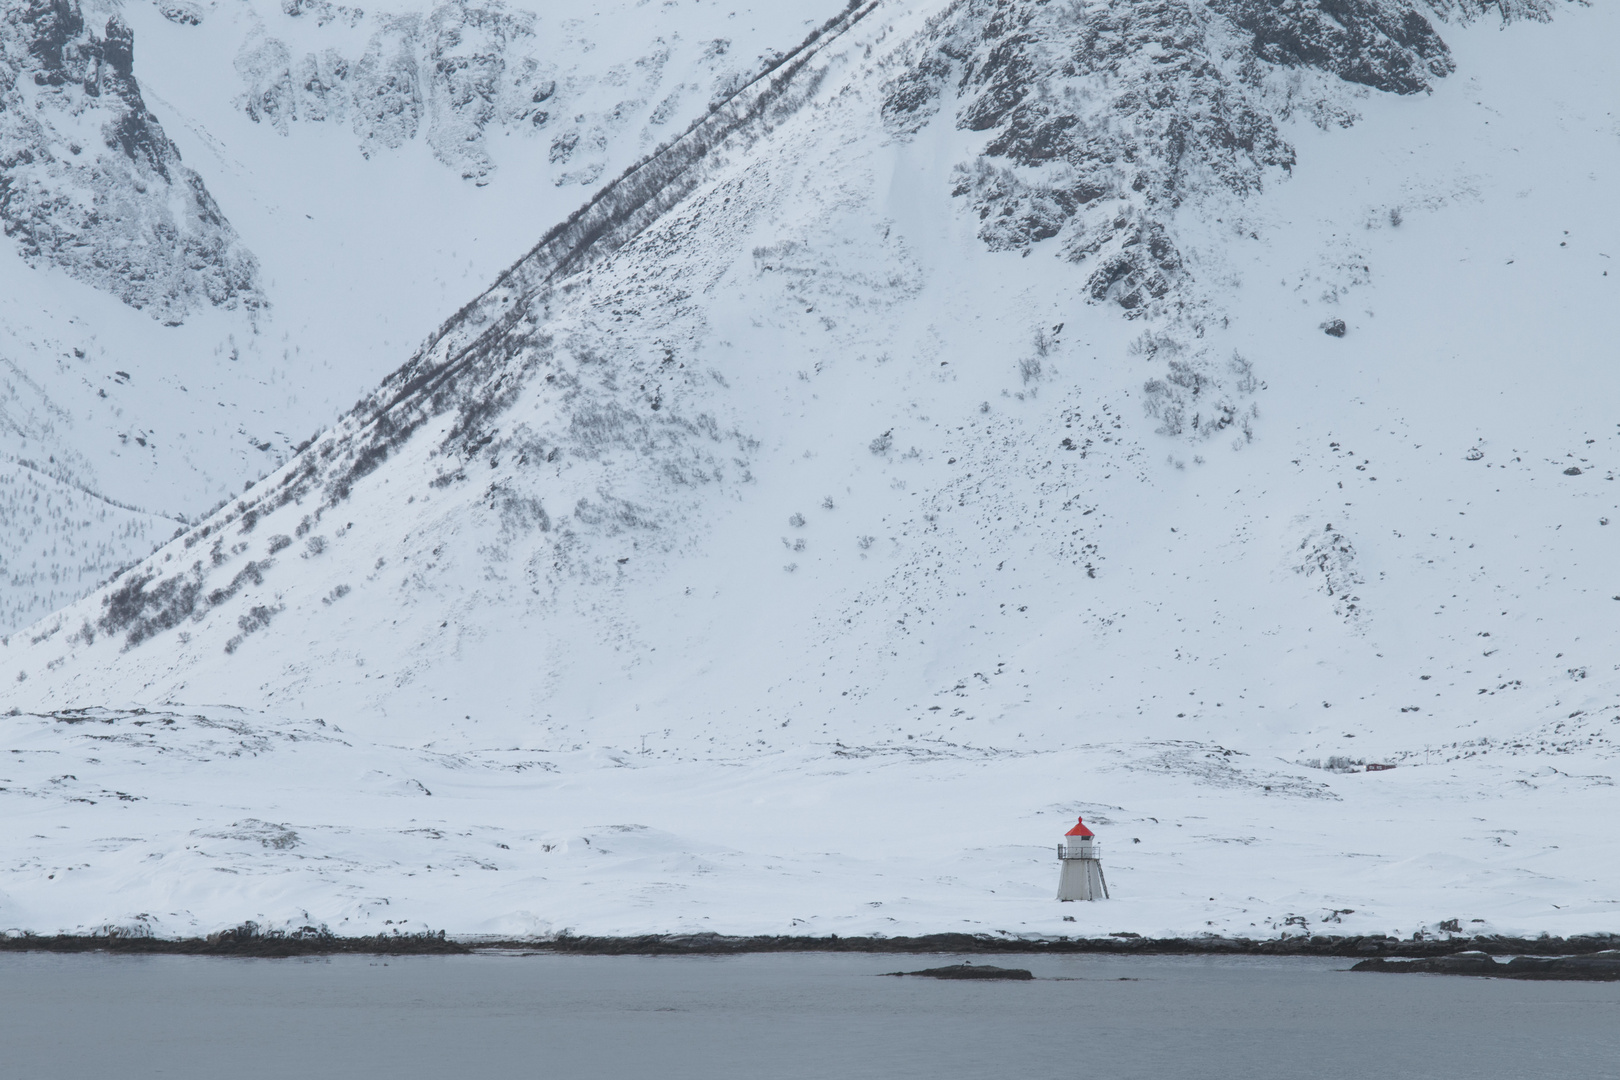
(246,942)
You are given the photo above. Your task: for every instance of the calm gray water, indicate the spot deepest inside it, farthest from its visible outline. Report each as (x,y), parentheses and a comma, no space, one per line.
(784,1017)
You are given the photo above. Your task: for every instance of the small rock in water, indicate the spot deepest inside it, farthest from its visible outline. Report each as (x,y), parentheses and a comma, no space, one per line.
(969,971)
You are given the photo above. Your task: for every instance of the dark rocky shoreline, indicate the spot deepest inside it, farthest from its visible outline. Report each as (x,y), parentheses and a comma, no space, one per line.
(249,940)
(1590,967)
(245,940)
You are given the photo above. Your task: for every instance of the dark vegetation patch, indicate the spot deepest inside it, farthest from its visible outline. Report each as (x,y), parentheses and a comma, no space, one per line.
(255,620)
(144,612)
(519,513)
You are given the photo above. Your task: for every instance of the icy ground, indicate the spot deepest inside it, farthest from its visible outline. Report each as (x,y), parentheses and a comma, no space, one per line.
(809,490)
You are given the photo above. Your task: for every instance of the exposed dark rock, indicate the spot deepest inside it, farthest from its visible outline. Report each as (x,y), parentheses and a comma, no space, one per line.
(125,216)
(1595,967)
(1468,963)
(1164,116)
(1385,44)
(1603,966)
(181,12)
(1334,328)
(912,99)
(469,68)
(1507,10)
(1329,558)
(1143,267)
(1103,119)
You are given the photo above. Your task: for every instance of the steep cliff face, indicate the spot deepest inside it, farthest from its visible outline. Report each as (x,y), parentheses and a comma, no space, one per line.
(455,75)
(89,182)
(1386,44)
(1099,121)
(461,73)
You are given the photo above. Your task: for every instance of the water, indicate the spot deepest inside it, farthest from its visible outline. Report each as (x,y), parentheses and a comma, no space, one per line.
(784,1017)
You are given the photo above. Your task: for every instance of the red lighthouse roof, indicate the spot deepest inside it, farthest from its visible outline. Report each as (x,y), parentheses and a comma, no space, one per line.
(1079,829)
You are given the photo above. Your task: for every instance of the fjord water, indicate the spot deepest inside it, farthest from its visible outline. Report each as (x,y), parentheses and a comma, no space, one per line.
(784,1017)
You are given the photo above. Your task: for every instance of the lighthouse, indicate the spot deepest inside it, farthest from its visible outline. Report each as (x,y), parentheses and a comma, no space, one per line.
(1081,858)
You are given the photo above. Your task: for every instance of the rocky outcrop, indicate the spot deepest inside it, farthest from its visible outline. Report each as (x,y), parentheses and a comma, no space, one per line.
(1102,120)
(1464,11)
(1386,44)
(466,70)
(90,183)
(1105,123)
(1329,557)
(1596,967)
(1099,121)
(968,971)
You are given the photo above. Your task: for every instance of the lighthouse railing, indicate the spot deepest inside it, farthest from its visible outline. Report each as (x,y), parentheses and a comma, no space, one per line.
(1093,850)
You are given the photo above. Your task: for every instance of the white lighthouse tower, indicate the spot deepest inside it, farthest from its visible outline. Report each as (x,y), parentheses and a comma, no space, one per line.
(1081,857)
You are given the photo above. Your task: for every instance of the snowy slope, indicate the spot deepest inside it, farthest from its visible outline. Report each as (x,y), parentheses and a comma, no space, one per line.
(326,247)
(779,461)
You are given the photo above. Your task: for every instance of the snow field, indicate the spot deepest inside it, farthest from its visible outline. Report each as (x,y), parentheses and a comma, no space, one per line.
(180,823)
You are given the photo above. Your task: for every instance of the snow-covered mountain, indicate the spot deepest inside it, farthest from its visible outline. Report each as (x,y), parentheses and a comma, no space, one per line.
(1147,409)
(212,256)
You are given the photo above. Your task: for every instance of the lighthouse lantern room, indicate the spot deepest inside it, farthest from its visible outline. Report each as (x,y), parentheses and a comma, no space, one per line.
(1081,858)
